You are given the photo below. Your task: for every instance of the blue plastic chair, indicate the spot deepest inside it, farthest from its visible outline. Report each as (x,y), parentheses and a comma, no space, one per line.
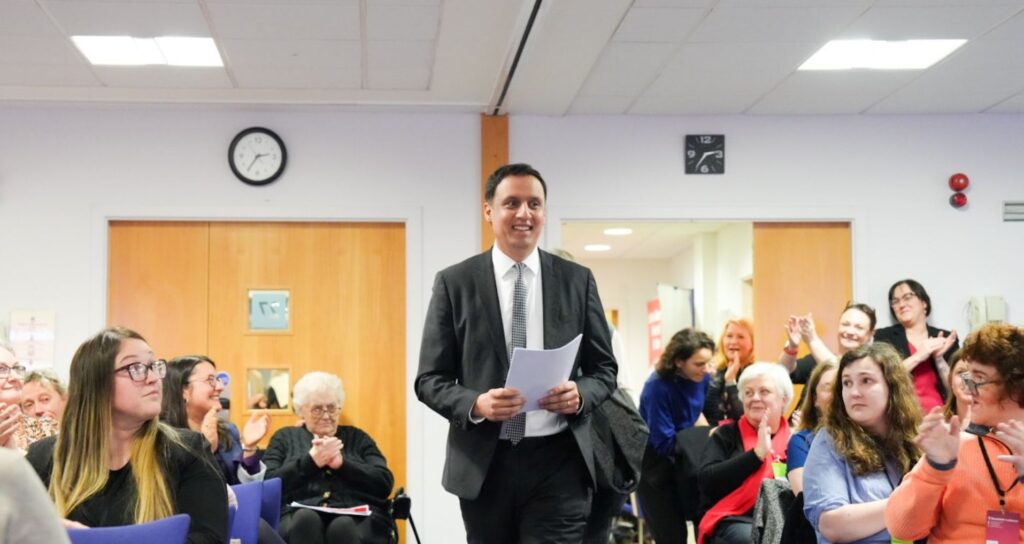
(246,524)
(270,510)
(172,530)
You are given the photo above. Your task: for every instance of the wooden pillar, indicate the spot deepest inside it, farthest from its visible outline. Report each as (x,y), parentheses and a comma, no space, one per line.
(493,154)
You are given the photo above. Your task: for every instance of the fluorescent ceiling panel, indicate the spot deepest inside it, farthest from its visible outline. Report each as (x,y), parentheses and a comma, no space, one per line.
(129,51)
(880,55)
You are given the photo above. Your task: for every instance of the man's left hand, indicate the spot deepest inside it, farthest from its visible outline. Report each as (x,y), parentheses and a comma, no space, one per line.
(564,399)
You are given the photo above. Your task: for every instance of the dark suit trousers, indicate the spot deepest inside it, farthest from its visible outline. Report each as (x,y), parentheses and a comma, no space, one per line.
(537,491)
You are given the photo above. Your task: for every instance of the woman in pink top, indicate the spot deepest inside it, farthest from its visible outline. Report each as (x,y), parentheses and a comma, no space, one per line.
(968,483)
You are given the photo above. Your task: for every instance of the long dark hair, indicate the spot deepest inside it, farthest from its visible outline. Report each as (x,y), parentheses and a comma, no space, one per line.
(174,412)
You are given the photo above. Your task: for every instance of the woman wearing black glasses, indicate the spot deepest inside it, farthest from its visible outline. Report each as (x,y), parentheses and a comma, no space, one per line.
(967,487)
(324,464)
(925,349)
(113,462)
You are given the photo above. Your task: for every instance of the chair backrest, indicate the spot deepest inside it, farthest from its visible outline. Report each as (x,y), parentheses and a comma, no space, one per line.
(172,530)
(246,525)
(271,507)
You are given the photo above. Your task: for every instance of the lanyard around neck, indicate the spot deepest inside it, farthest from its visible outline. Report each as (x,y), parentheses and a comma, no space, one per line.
(995,480)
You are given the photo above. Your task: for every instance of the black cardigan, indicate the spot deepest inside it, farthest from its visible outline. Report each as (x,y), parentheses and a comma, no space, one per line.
(896,336)
(196,486)
(364,477)
(724,466)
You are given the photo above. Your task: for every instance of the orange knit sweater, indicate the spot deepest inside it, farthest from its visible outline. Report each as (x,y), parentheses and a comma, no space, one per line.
(949,507)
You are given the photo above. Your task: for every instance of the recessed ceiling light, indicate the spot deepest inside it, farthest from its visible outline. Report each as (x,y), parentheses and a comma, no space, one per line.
(166,50)
(880,55)
(618,231)
(597,247)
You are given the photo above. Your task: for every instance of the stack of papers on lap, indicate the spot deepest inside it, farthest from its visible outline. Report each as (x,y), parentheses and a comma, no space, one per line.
(361,510)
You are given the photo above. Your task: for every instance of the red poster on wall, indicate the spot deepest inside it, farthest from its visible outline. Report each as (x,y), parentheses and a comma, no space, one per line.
(654,343)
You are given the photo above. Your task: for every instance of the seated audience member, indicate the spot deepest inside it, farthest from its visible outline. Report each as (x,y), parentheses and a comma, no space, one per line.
(192,401)
(959,400)
(735,353)
(864,449)
(113,462)
(813,409)
(856,328)
(323,463)
(740,455)
(43,395)
(925,349)
(17,429)
(671,401)
(963,479)
(26,513)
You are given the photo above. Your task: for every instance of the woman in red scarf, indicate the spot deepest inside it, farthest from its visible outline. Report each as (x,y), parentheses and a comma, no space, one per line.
(739,455)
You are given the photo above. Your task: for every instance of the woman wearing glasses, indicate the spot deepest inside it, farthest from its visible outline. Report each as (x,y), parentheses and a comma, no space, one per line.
(925,349)
(192,401)
(966,482)
(114,463)
(18,429)
(323,463)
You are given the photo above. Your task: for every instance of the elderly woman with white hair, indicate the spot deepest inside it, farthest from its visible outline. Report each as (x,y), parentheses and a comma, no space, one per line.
(740,455)
(323,463)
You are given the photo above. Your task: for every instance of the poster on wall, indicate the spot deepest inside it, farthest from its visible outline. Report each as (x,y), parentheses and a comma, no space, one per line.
(32,335)
(654,345)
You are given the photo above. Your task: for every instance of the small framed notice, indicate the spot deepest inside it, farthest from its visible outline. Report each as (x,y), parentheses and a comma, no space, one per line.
(268,309)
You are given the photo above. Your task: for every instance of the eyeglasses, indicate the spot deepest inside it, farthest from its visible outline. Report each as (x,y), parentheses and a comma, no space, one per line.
(907,297)
(140,371)
(18,371)
(330,409)
(212,380)
(972,385)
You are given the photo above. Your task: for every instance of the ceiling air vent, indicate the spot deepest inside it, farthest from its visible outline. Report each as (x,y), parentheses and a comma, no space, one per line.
(1013,211)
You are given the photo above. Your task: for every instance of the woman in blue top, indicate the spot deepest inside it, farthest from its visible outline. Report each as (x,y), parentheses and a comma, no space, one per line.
(672,400)
(866,447)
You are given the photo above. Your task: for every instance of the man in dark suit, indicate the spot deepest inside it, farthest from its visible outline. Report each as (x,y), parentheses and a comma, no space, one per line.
(519,477)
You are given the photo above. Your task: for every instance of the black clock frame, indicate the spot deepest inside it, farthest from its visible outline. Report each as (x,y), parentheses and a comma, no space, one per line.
(701,144)
(243,134)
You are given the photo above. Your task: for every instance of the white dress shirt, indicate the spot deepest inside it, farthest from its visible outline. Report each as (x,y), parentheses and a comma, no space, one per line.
(538,422)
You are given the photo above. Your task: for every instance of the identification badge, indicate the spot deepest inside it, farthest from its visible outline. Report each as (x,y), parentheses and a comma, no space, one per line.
(779,469)
(898,541)
(1002,527)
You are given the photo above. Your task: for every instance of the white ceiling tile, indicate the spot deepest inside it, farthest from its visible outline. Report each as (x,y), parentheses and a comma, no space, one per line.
(720,78)
(142,20)
(399,65)
(934,3)
(338,21)
(403,2)
(792,3)
(739,25)
(946,22)
(839,92)
(658,24)
(293,53)
(26,50)
(162,77)
(472,73)
(979,75)
(673,3)
(24,18)
(626,69)
(600,105)
(46,75)
(300,77)
(1014,104)
(1010,31)
(402,23)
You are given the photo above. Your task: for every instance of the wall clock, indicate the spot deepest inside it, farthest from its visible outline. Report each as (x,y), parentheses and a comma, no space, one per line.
(257,156)
(705,153)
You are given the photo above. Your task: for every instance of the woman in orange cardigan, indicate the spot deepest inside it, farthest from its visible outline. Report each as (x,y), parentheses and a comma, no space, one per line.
(966,481)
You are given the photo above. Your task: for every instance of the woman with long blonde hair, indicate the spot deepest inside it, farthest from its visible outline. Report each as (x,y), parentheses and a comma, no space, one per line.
(735,353)
(114,463)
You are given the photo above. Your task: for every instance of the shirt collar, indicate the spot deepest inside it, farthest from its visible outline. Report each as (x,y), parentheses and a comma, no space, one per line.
(503,263)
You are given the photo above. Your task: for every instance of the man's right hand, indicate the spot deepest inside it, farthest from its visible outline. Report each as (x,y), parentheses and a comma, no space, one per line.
(498,404)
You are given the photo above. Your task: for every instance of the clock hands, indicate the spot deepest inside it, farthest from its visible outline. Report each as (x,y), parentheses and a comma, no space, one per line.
(716,154)
(254,159)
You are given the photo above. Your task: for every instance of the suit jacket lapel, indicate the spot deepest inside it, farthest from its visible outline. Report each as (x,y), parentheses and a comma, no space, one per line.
(551,282)
(488,292)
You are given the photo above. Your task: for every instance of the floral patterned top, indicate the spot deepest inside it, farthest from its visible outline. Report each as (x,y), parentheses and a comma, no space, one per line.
(33,429)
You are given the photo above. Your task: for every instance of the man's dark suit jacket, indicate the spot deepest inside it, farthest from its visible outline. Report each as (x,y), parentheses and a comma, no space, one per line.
(463,354)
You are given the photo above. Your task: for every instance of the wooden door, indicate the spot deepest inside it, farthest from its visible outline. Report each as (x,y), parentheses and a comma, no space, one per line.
(185,286)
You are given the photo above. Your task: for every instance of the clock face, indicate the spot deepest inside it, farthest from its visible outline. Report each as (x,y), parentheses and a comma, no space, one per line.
(257,156)
(705,153)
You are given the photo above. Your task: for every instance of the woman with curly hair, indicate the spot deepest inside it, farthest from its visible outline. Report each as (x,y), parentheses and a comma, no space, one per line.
(983,469)
(735,353)
(866,447)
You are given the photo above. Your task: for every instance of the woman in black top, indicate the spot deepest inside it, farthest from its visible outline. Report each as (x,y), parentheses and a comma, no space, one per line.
(324,464)
(113,462)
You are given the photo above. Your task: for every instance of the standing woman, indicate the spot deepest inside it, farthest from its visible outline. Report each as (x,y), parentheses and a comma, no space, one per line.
(951,494)
(925,349)
(866,447)
(671,401)
(856,328)
(735,353)
(113,462)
